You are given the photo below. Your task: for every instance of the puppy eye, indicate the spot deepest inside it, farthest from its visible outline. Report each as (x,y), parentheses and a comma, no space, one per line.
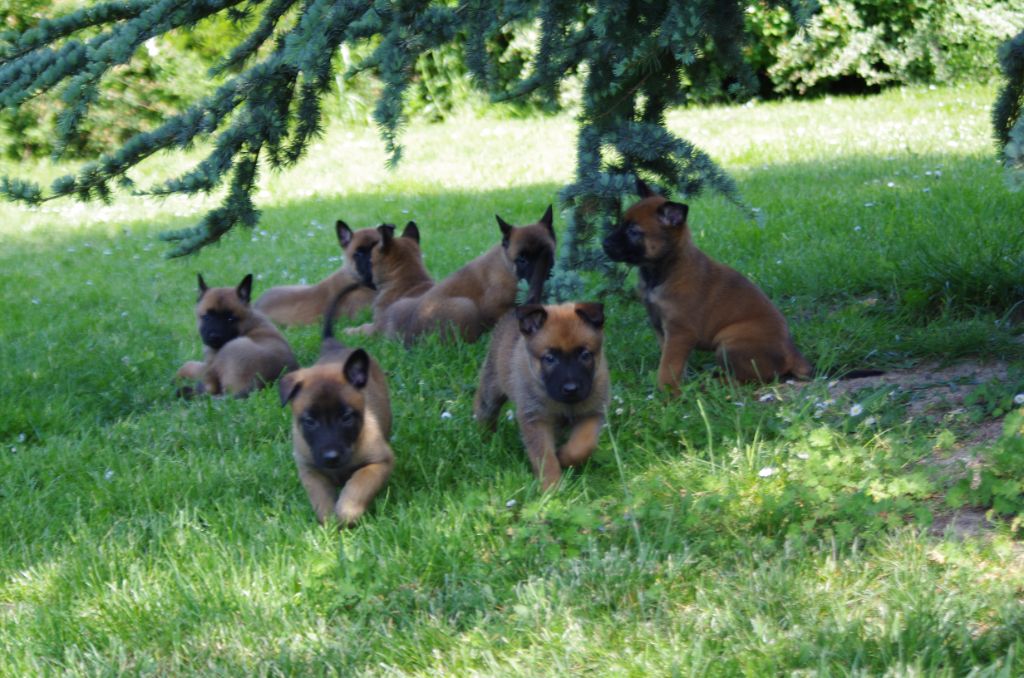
(347,417)
(549,359)
(586,356)
(520,260)
(633,232)
(309,422)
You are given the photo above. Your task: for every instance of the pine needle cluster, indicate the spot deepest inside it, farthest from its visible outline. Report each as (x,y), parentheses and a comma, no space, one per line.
(637,59)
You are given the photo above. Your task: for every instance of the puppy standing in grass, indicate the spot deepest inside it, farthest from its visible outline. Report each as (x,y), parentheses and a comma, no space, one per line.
(549,360)
(341,423)
(695,302)
(305,304)
(471,300)
(243,350)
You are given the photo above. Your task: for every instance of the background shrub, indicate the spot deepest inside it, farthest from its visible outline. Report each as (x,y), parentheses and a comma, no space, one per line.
(859,44)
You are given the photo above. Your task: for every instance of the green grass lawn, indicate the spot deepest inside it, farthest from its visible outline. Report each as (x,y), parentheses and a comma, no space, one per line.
(734,531)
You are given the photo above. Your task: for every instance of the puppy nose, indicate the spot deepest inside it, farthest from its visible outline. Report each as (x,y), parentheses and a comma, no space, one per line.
(331,457)
(570,388)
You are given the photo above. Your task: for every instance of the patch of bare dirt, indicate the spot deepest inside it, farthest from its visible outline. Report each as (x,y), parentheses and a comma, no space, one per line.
(936,393)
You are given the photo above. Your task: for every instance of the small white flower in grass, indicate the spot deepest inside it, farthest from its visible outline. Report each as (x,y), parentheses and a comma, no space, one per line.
(1018,399)
(509,415)
(856,228)
(35,300)
(124,314)
(779,262)
(767,472)
(259,276)
(446,415)
(511,503)
(926,190)
(619,410)
(803,455)
(89,283)
(107,253)
(856,410)
(870,421)
(869,204)
(890,184)
(21,437)
(766,398)
(108,475)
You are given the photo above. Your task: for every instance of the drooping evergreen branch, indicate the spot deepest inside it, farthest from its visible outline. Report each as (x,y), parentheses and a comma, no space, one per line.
(1008,110)
(639,57)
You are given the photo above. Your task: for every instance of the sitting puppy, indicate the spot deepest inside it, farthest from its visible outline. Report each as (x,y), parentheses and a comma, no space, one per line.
(696,302)
(341,422)
(305,304)
(395,268)
(550,362)
(471,300)
(243,350)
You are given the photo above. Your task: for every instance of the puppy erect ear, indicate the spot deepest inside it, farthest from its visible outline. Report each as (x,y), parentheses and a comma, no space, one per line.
(506,230)
(412,232)
(531,318)
(673,214)
(548,220)
(244,289)
(592,314)
(202,285)
(344,233)
(387,234)
(357,368)
(288,387)
(643,190)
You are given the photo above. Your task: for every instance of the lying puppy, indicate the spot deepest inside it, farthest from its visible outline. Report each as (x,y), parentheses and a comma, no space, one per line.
(305,304)
(471,300)
(395,268)
(549,361)
(695,302)
(341,423)
(243,350)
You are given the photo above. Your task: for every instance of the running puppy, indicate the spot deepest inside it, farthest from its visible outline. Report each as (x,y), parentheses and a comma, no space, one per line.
(341,423)
(472,299)
(305,304)
(243,350)
(549,360)
(695,302)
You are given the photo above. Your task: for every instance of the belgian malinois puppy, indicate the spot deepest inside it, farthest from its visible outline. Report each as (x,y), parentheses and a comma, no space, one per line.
(471,300)
(305,304)
(395,268)
(341,423)
(243,350)
(695,302)
(549,360)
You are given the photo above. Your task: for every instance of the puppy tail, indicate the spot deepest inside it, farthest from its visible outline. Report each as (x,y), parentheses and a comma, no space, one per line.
(332,309)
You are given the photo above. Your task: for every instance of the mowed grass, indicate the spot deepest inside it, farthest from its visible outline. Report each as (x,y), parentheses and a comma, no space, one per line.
(734,531)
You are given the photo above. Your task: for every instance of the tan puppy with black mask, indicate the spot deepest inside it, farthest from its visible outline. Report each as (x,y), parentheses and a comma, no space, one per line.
(341,423)
(396,270)
(305,304)
(243,350)
(471,300)
(549,360)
